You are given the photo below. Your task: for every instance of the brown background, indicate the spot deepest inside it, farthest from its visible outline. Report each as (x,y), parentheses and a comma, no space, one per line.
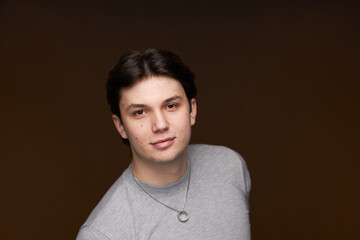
(277,82)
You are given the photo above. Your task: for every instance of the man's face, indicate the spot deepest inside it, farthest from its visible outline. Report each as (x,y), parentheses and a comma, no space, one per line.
(156,120)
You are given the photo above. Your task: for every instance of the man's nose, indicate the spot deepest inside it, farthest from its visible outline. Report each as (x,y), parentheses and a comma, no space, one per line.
(160,122)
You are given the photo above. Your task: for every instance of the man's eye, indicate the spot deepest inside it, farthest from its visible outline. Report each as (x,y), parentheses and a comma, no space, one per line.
(171,106)
(139,112)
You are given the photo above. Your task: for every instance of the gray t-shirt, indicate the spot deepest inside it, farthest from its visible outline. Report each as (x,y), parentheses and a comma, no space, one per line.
(217,203)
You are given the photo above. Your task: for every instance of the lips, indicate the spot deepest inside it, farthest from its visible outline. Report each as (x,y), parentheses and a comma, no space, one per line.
(163,143)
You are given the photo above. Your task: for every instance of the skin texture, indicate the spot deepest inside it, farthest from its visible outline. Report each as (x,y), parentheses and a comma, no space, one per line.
(156,119)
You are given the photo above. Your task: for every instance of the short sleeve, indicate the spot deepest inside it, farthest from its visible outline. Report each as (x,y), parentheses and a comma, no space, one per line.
(89,233)
(247,179)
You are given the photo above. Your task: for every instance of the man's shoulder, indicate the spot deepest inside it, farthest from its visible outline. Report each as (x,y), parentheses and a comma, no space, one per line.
(221,162)
(212,151)
(215,156)
(112,209)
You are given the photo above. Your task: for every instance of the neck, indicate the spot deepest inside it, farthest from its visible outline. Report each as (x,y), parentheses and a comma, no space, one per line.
(159,174)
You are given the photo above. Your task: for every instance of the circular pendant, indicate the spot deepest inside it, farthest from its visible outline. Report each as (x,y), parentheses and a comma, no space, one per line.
(183,216)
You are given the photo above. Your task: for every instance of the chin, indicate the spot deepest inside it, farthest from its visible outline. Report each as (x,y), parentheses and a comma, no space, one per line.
(168,157)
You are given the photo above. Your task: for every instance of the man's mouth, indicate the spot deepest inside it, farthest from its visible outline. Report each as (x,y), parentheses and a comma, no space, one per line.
(163,143)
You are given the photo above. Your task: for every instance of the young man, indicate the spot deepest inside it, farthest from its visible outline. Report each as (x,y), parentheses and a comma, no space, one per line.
(171,190)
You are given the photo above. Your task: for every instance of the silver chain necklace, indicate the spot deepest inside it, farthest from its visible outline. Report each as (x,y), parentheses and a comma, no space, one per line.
(182,214)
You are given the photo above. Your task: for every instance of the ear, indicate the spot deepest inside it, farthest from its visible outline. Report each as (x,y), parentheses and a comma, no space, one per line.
(119,126)
(193,111)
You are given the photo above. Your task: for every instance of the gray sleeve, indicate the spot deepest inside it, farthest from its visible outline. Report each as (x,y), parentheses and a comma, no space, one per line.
(247,179)
(89,233)
(239,173)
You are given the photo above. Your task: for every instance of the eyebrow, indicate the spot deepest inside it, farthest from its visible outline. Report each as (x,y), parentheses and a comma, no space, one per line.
(176,97)
(135,105)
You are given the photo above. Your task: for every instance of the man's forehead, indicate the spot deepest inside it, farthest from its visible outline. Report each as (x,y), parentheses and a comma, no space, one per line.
(142,105)
(151,91)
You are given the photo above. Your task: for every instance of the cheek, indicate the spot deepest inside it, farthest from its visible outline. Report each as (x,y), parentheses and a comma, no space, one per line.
(183,123)
(139,133)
